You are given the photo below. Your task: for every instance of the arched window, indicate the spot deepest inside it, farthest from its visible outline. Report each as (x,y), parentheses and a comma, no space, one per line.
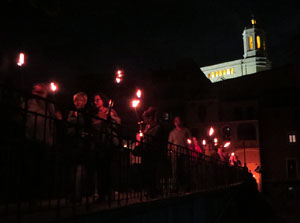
(250,43)
(258,45)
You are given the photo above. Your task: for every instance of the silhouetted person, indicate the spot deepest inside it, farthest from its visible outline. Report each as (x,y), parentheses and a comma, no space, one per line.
(179,152)
(153,150)
(78,124)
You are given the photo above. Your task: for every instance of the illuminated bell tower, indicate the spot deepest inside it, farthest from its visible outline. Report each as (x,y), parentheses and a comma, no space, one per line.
(254,41)
(254,58)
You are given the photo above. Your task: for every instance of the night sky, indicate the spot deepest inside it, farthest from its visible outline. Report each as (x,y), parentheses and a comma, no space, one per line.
(81,44)
(79,37)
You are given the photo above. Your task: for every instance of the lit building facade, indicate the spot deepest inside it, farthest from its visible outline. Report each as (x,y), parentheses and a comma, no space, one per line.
(255,58)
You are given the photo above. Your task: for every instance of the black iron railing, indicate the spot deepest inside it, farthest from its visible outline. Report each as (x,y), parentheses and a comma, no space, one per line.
(59,168)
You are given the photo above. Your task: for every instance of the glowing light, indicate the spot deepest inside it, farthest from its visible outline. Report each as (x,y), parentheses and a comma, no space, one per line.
(232,154)
(118,80)
(53,87)
(253,21)
(189,141)
(258,42)
(110,103)
(119,73)
(21,59)
(119,76)
(203,142)
(135,103)
(141,133)
(216,141)
(211,131)
(227,144)
(250,42)
(139,93)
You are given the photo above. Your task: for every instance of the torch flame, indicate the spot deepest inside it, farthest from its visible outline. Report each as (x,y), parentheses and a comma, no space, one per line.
(141,133)
(119,73)
(139,93)
(216,141)
(21,59)
(135,103)
(226,144)
(211,131)
(118,80)
(189,141)
(203,142)
(53,86)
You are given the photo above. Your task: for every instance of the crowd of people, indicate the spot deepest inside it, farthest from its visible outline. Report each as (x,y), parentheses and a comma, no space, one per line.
(163,154)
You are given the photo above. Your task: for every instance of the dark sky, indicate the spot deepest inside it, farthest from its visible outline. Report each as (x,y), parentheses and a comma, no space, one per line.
(83,37)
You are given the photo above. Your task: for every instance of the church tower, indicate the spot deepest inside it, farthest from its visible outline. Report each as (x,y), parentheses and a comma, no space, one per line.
(254,40)
(254,59)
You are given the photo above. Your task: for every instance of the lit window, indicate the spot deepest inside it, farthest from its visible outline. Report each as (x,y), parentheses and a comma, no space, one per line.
(212,74)
(253,21)
(258,42)
(292,138)
(250,42)
(217,74)
(231,71)
(208,75)
(228,71)
(224,72)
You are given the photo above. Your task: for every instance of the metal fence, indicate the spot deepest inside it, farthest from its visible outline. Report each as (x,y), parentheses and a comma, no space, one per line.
(57,168)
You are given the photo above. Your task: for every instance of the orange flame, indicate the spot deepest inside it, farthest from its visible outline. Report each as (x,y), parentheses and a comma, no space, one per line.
(211,131)
(21,59)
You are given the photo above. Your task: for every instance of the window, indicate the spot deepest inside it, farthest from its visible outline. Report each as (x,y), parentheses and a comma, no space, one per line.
(258,42)
(212,74)
(224,72)
(228,71)
(231,71)
(291,165)
(250,43)
(208,75)
(292,138)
